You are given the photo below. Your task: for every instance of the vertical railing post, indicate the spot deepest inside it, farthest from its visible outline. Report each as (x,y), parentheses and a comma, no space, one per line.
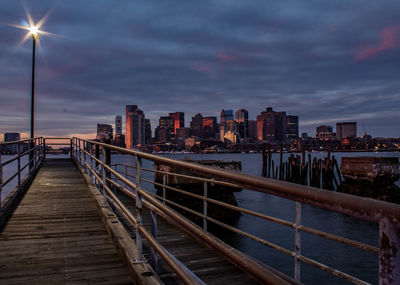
(19,164)
(138,207)
(1,179)
(164,192)
(44,148)
(104,174)
(297,242)
(108,162)
(205,195)
(154,233)
(79,153)
(389,252)
(70,147)
(84,156)
(97,153)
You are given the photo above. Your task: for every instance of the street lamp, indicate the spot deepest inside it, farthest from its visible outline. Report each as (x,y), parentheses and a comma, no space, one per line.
(33,30)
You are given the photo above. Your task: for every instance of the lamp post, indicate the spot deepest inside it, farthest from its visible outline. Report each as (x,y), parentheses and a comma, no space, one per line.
(34,32)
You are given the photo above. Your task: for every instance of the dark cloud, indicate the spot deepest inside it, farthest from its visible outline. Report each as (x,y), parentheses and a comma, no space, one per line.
(322,60)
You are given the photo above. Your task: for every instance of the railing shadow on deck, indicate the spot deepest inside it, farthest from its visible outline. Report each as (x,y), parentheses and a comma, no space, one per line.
(95,159)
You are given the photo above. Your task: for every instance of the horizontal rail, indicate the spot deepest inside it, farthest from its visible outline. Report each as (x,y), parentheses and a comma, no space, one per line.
(250,265)
(202,179)
(365,208)
(17,142)
(360,208)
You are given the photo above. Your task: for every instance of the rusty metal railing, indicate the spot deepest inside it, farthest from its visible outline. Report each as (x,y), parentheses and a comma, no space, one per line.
(387,215)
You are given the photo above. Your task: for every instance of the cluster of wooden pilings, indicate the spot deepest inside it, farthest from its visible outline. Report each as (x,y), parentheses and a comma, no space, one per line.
(321,173)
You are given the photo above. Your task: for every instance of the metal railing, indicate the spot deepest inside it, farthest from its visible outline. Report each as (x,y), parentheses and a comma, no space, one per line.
(27,155)
(387,215)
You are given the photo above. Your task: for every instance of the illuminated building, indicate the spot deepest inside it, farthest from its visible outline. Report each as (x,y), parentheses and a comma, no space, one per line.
(179,120)
(135,126)
(227,123)
(209,127)
(271,126)
(242,122)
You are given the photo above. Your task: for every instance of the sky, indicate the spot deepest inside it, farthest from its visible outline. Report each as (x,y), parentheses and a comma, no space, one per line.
(325,61)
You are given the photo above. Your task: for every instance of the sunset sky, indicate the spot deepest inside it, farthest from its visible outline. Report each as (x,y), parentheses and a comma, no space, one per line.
(325,61)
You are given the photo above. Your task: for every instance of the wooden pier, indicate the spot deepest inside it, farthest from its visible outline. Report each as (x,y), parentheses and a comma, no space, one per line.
(57,236)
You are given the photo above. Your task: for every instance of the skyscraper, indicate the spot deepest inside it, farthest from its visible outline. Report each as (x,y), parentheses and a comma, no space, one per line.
(118,125)
(271,126)
(165,129)
(252,129)
(196,126)
(147,131)
(135,126)
(346,130)
(292,127)
(242,122)
(179,120)
(227,123)
(209,127)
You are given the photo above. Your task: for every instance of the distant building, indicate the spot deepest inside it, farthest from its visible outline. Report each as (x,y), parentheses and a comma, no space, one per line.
(118,125)
(292,127)
(252,129)
(325,133)
(227,123)
(135,126)
(104,132)
(346,130)
(242,122)
(119,140)
(196,126)
(179,120)
(147,131)
(209,127)
(271,126)
(230,137)
(166,126)
(11,137)
(183,133)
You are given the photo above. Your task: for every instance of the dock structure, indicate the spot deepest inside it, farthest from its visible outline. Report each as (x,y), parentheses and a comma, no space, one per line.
(83,220)
(56,235)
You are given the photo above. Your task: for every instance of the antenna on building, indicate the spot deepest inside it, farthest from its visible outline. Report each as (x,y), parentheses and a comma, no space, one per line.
(365,132)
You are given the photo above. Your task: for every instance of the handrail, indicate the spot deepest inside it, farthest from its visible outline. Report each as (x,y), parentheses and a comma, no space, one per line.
(36,155)
(364,208)
(386,214)
(255,268)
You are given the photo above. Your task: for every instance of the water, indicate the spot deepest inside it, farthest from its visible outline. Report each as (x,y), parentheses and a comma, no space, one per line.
(352,261)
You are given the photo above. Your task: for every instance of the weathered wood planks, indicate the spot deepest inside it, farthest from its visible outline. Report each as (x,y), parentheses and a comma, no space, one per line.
(56,236)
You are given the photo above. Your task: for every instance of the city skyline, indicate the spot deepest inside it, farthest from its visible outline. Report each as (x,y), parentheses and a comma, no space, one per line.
(325,62)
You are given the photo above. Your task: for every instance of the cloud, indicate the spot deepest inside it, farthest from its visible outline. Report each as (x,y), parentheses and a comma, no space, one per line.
(200,57)
(388,40)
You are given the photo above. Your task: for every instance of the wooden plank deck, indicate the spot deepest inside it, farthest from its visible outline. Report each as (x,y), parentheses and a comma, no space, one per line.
(56,236)
(205,262)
